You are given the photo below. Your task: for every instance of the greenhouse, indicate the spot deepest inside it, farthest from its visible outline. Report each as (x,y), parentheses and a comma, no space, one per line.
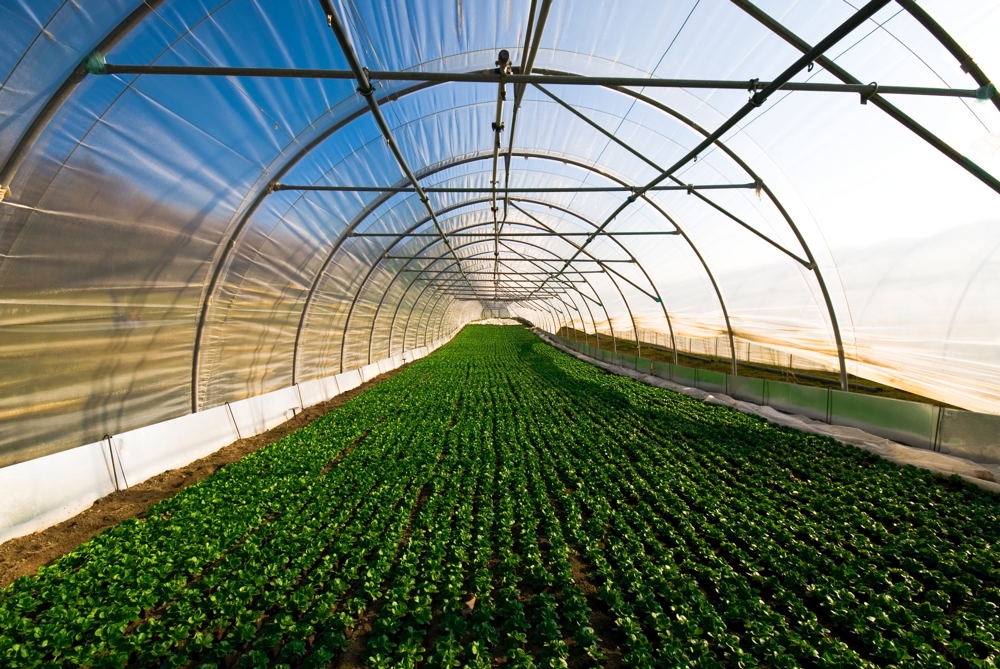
(528,333)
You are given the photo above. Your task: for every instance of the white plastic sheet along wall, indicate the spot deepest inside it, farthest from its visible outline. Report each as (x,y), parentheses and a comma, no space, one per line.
(141,202)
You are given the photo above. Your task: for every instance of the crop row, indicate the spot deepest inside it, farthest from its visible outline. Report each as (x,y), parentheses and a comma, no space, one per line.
(501,502)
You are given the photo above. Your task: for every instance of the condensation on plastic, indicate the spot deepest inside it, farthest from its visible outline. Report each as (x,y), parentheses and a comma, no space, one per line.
(142,189)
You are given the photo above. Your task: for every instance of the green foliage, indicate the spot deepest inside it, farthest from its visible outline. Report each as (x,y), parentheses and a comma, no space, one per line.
(501,501)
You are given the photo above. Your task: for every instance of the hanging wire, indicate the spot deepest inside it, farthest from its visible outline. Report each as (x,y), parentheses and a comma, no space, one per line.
(923,62)
(817,71)
(628,112)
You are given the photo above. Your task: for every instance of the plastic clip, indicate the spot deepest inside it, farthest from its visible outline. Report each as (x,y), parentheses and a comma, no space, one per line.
(810,66)
(866,96)
(94,63)
(690,189)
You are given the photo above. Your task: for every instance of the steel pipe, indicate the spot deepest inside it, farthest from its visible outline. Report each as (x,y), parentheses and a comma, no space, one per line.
(490,77)
(553,189)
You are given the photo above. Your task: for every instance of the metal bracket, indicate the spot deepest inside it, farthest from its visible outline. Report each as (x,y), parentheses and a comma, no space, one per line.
(867,95)
(94,63)
(504,66)
(755,99)
(370,90)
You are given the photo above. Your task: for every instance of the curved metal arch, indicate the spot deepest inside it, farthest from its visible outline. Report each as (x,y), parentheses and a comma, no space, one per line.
(283,165)
(478,256)
(371,332)
(406,264)
(59,96)
(424,220)
(430,283)
(373,206)
(376,203)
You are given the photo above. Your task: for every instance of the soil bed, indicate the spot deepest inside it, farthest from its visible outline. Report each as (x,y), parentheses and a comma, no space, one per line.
(24,555)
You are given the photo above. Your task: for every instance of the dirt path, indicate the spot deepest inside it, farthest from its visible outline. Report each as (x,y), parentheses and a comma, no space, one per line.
(24,555)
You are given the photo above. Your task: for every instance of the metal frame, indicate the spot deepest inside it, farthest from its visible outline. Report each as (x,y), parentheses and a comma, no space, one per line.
(55,101)
(372,206)
(568,189)
(28,139)
(433,280)
(283,166)
(538,224)
(429,171)
(427,285)
(984,92)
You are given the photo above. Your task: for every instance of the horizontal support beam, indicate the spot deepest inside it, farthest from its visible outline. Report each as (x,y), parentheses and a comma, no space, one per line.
(510,282)
(502,291)
(484,189)
(502,298)
(490,299)
(490,77)
(505,258)
(516,235)
(489,273)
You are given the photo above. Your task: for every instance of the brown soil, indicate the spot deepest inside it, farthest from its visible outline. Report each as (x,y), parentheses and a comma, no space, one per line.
(24,555)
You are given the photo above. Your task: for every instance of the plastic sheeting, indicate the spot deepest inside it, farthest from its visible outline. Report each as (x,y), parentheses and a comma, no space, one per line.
(147,269)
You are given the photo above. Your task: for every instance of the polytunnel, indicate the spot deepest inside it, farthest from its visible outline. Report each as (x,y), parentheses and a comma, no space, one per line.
(219,215)
(206,202)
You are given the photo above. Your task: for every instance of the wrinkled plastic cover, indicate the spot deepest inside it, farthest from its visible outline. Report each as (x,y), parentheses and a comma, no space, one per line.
(146,271)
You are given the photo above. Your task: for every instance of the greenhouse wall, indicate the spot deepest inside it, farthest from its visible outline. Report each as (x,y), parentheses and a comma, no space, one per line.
(967,434)
(44,491)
